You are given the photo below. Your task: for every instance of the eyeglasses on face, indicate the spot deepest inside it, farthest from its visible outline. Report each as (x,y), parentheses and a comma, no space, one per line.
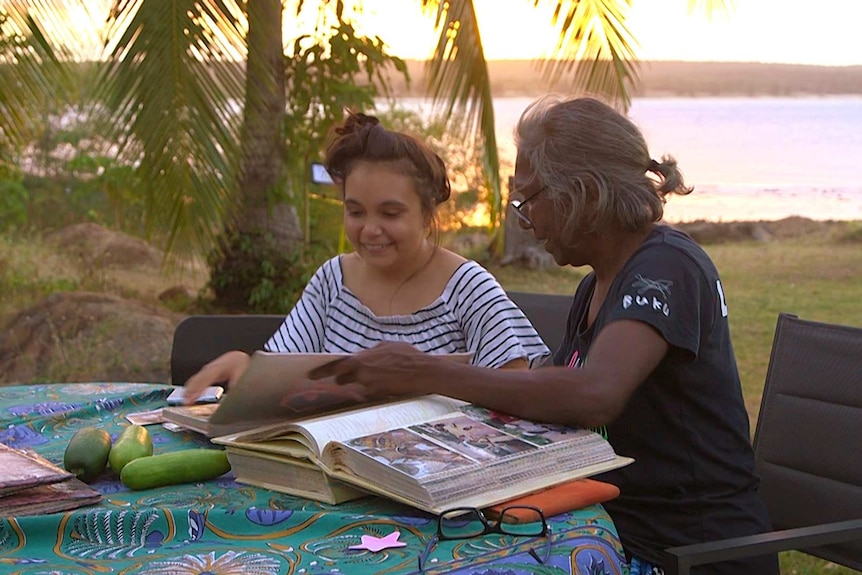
(469,523)
(518,206)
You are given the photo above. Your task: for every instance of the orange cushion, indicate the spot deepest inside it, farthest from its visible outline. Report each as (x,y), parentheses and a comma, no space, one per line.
(560,498)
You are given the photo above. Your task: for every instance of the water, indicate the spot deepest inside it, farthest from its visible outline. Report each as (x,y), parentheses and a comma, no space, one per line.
(748,158)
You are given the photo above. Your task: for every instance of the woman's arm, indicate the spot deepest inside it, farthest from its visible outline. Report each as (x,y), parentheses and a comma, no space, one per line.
(621,358)
(519,363)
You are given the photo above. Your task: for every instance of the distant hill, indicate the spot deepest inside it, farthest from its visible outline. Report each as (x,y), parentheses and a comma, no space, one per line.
(689,79)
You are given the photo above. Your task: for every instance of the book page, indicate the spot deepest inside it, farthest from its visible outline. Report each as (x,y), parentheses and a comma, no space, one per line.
(278,441)
(450,444)
(473,435)
(276,387)
(294,476)
(347,424)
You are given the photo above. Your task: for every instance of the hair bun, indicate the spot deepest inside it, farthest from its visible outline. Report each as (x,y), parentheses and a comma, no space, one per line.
(444,191)
(355,122)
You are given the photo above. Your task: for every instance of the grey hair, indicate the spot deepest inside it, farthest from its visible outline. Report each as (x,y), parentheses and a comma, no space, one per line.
(586,152)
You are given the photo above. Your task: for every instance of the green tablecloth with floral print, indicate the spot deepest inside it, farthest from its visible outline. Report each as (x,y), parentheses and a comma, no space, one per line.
(221,527)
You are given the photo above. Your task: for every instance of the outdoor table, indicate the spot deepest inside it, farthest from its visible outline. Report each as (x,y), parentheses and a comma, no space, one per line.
(222,527)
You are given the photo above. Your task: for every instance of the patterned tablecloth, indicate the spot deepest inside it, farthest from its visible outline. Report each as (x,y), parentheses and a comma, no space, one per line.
(224,528)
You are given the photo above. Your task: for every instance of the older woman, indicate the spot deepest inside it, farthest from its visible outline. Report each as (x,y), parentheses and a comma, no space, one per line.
(647,353)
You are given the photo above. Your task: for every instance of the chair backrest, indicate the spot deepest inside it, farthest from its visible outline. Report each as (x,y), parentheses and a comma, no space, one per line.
(809,431)
(198,339)
(547,312)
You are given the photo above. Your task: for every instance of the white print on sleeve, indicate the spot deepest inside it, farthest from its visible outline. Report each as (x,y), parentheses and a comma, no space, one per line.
(643,298)
(721,299)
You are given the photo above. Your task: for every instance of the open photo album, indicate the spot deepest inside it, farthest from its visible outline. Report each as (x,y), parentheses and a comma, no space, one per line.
(431,452)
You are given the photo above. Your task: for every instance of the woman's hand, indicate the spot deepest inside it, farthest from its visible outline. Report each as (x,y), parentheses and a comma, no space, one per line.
(387,369)
(225,370)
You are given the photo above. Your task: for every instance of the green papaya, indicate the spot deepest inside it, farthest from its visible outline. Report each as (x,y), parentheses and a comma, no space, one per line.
(87,453)
(133,442)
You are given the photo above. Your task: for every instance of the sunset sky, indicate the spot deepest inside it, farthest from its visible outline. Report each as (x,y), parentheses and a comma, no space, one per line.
(824,32)
(786,31)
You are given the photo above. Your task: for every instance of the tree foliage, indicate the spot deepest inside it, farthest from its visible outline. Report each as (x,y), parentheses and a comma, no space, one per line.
(172,88)
(328,72)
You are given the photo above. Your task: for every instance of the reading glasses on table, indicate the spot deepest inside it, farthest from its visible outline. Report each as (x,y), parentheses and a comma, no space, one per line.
(469,523)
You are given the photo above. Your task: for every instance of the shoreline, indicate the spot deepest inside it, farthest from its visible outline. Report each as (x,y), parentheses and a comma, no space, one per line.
(792,227)
(749,202)
(661,79)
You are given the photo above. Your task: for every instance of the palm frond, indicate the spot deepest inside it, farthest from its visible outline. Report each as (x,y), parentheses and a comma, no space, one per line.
(172,89)
(67,26)
(461,87)
(595,47)
(31,73)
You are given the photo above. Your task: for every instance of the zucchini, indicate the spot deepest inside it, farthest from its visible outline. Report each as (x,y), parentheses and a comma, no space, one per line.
(133,442)
(185,466)
(87,453)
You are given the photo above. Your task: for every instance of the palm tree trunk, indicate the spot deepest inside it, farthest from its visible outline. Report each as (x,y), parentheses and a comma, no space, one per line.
(520,246)
(262,209)
(264,232)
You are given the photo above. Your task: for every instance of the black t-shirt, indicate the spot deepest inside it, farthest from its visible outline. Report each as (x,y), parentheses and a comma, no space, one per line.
(686,426)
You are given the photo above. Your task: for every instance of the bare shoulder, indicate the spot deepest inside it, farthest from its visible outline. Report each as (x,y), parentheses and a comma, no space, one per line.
(446,262)
(350,264)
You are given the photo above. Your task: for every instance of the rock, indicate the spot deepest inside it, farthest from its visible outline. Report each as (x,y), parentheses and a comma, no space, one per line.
(178,295)
(95,245)
(719,232)
(85,336)
(704,232)
(796,226)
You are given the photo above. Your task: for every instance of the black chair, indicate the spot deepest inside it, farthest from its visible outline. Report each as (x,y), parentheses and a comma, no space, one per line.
(807,451)
(548,314)
(198,339)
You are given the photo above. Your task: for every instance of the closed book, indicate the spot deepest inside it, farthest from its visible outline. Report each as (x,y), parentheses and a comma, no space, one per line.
(291,475)
(24,469)
(196,418)
(52,498)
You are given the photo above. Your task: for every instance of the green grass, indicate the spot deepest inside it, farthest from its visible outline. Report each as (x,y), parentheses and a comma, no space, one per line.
(30,271)
(814,279)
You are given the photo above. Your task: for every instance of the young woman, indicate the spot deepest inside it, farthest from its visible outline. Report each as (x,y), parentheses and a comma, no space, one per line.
(647,352)
(397,285)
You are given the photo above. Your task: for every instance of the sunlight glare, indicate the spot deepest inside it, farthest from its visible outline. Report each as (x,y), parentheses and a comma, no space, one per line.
(777,31)
(664,29)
